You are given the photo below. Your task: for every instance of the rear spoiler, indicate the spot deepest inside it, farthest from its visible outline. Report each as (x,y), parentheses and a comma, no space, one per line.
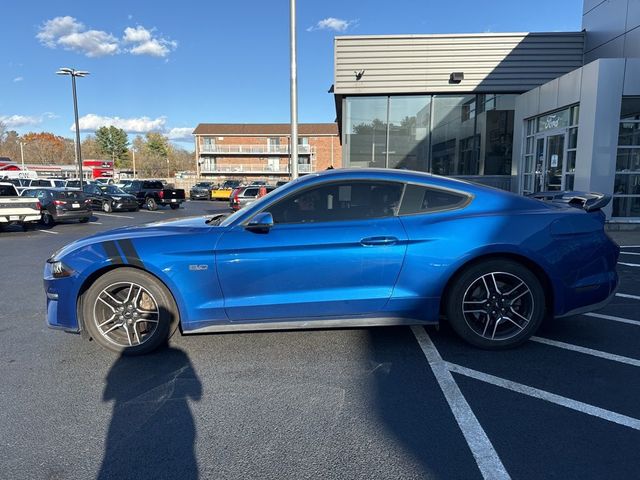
(590,202)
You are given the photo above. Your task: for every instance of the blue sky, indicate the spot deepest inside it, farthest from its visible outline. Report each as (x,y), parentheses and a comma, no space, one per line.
(167,67)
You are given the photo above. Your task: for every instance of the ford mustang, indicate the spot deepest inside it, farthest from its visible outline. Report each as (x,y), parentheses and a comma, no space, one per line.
(343,248)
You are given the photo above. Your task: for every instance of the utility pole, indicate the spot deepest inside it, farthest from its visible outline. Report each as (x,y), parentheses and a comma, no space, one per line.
(294,93)
(133,152)
(22,153)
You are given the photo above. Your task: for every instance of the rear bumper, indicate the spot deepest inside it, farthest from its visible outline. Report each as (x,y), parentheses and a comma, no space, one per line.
(170,201)
(592,307)
(71,214)
(34,217)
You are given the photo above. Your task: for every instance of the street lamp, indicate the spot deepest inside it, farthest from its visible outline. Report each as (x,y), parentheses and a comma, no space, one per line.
(75,73)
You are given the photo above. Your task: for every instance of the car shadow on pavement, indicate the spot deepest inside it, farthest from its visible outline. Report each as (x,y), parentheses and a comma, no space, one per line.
(152,431)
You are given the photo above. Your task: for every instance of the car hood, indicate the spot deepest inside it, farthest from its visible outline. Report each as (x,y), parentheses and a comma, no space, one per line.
(183,226)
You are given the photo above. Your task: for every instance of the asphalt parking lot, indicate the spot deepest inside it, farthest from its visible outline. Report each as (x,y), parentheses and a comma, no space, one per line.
(358,403)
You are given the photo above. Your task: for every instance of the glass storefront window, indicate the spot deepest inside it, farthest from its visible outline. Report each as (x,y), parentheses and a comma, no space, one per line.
(452,130)
(366,131)
(444,134)
(409,132)
(626,189)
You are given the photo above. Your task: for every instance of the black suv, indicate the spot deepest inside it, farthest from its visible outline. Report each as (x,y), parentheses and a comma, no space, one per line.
(109,197)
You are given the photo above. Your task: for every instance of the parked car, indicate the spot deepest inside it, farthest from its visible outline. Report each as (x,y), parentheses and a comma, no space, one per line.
(152,193)
(61,204)
(343,248)
(15,209)
(75,183)
(105,180)
(223,192)
(201,191)
(109,197)
(243,196)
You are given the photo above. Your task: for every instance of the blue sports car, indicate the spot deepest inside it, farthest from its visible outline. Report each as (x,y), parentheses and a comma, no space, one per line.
(343,248)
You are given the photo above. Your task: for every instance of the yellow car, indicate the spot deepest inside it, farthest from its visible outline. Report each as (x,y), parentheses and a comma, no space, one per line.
(223,192)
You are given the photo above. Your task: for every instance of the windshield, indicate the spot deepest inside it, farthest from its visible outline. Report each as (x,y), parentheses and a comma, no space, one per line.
(112,190)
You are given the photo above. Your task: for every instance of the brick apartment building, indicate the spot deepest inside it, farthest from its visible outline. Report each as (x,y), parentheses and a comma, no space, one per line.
(261,150)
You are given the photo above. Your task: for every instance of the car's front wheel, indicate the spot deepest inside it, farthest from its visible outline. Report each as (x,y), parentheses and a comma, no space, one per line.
(129,311)
(107,207)
(495,304)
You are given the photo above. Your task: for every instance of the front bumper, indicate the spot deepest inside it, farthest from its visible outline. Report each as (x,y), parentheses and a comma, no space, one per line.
(61,305)
(125,205)
(199,195)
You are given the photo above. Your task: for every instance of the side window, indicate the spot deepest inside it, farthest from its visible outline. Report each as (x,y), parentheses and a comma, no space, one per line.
(250,192)
(418,199)
(339,201)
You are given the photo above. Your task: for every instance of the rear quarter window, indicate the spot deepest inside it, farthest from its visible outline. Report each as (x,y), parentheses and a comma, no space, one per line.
(7,191)
(419,199)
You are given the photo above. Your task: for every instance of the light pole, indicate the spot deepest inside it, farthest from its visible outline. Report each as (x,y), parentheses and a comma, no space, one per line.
(294,93)
(75,73)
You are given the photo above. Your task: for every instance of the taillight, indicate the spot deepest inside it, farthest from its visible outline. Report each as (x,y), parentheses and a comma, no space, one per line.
(161,194)
(87,201)
(38,205)
(59,202)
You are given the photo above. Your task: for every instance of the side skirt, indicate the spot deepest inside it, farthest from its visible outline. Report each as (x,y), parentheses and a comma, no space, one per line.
(309,324)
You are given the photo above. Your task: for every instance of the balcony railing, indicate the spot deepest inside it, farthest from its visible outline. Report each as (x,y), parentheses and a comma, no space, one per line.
(210,167)
(253,149)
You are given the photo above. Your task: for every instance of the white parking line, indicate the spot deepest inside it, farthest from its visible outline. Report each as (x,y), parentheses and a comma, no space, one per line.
(49,231)
(612,318)
(630,246)
(626,295)
(151,211)
(96,223)
(111,215)
(629,264)
(629,253)
(549,397)
(485,455)
(588,351)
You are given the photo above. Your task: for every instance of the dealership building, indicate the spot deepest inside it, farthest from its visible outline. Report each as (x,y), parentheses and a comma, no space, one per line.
(525,112)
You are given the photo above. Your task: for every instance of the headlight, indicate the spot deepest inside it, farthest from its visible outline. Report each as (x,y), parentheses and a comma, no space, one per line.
(117,199)
(60,270)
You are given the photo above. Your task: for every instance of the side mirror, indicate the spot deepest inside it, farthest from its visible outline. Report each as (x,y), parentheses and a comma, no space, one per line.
(261,223)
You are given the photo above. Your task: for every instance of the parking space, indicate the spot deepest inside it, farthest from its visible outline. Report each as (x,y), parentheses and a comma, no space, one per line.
(357,403)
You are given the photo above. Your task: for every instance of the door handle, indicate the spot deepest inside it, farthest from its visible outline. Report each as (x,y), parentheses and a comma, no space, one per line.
(373,241)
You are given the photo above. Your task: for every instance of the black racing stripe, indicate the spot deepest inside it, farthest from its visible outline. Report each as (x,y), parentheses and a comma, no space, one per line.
(130,253)
(112,252)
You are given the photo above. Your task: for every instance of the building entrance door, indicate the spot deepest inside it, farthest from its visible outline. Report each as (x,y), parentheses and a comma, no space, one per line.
(549,161)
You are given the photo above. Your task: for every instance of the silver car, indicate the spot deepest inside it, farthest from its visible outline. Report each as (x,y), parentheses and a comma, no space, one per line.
(243,196)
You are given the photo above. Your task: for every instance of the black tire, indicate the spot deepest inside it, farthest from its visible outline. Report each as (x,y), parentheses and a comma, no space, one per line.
(47,220)
(93,312)
(84,219)
(174,206)
(107,207)
(483,317)
(151,204)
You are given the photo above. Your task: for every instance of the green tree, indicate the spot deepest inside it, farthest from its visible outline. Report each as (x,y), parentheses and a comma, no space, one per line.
(114,142)
(157,144)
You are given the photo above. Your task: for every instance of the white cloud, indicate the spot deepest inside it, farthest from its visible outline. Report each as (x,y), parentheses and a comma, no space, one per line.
(52,30)
(138,34)
(331,23)
(146,43)
(93,43)
(69,33)
(17,121)
(92,122)
(179,134)
(18,79)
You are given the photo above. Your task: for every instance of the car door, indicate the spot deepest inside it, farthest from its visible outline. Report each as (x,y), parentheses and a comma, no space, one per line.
(335,249)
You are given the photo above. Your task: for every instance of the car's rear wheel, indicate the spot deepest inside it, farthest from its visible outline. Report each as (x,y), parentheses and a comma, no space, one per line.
(496,304)
(48,220)
(174,206)
(129,311)
(151,204)
(107,207)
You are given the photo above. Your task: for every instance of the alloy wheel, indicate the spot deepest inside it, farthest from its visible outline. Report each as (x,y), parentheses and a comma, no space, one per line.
(126,314)
(498,305)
